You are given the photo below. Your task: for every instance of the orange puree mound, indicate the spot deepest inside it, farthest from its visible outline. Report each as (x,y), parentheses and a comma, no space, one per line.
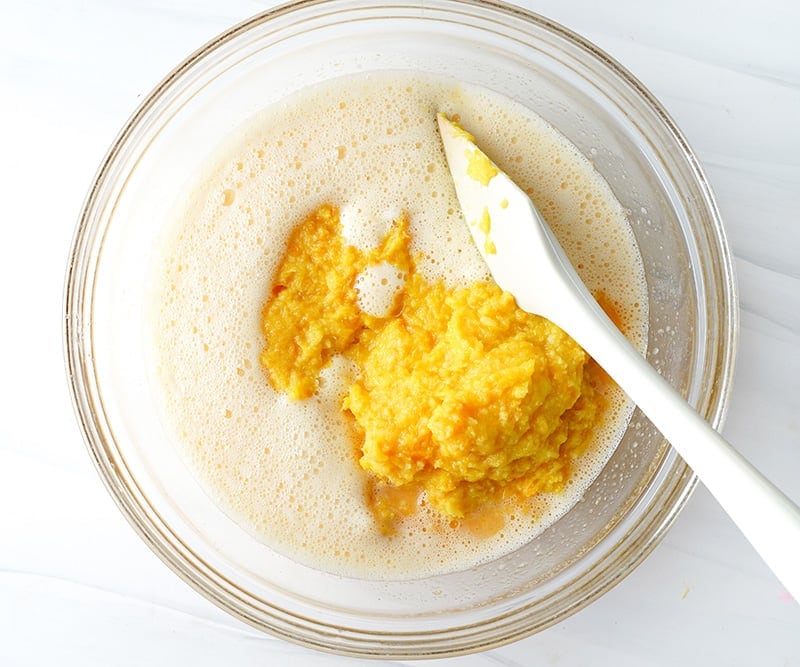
(472,398)
(460,394)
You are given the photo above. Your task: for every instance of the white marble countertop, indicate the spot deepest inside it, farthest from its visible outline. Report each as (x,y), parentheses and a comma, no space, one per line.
(78,587)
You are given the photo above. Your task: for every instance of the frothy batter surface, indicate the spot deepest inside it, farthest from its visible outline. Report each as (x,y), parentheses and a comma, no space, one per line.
(286,470)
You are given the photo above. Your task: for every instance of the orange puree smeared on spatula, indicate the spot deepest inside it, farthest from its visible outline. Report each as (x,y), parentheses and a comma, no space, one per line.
(461,401)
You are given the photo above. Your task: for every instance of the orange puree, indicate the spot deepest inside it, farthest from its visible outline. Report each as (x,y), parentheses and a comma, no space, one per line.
(313,311)
(459,394)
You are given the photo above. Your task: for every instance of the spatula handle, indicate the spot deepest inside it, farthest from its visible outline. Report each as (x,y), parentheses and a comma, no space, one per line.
(768,518)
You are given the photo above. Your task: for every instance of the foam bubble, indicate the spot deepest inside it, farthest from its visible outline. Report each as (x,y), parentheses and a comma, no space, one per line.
(362,228)
(288,471)
(377,286)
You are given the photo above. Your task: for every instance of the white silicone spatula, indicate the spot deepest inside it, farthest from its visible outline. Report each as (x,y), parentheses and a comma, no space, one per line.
(526,260)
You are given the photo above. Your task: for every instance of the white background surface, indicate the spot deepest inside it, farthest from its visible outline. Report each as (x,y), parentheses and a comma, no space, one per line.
(77,587)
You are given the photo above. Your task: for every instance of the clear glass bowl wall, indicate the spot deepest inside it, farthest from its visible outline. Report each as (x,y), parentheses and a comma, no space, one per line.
(590,99)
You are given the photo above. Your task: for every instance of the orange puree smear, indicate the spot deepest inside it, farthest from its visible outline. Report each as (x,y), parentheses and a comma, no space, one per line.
(462,403)
(480,167)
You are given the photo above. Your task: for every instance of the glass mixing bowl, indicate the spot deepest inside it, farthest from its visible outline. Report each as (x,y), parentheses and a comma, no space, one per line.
(592,100)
